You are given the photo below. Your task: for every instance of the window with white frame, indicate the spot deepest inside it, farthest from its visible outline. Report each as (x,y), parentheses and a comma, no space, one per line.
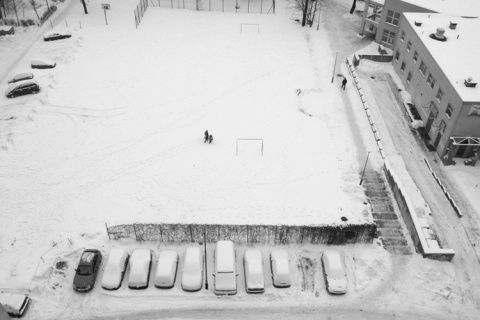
(402,68)
(443,125)
(409,77)
(397,56)
(439,95)
(388,36)
(423,68)
(449,111)
(474,111)
(415,56)
(402,36)
(433,111)
(431,80)
(409,46)
(393,17)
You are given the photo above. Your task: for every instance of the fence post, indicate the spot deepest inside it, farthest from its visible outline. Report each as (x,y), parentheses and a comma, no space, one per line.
(108,233)
(191,234)
(247,233)
(135,230)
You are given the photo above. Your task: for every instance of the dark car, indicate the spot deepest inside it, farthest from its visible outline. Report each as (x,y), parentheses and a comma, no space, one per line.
(43,63)
(21,88)
(57,35)
(87,270)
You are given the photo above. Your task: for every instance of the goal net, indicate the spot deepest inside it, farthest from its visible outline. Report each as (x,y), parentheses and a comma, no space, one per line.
(249,147)
(249,28)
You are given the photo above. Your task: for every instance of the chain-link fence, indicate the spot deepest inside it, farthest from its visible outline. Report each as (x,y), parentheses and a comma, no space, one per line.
(140,11)
(278,234)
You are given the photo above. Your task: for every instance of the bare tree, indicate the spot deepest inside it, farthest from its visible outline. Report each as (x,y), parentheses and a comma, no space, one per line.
(14,4)
(308,9)
(35,5)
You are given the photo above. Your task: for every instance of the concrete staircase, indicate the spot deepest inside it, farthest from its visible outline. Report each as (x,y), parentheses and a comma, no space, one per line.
(390,227)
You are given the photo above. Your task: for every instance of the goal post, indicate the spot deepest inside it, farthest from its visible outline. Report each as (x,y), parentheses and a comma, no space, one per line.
(248,26)
(253,144)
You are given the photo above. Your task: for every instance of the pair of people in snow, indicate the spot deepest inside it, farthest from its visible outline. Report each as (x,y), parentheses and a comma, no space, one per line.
(208,137)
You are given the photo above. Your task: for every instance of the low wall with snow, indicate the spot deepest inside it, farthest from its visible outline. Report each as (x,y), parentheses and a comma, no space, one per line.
(421,233)
(348,233)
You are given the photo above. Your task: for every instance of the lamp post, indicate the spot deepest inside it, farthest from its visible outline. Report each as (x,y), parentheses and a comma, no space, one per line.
(361,179)
(205,246)
(334,65)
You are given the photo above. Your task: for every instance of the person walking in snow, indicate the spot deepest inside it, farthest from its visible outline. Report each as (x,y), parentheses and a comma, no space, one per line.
(210,139)
(206,136)
(344,83)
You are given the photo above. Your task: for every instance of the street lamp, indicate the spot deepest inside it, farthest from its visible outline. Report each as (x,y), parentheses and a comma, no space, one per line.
(205,246)
(361,179)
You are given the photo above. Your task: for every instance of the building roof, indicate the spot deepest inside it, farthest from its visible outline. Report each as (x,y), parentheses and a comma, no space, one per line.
(464,8)
(458,56)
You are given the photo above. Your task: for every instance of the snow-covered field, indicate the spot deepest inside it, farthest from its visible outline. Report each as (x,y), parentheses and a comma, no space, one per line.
(116,136)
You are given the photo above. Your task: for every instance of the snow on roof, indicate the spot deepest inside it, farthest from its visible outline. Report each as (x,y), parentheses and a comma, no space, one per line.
(465,8)
(457,56)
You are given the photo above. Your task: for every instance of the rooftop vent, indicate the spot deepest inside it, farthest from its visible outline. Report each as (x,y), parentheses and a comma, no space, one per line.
(453,25)
(418,23)
(470,83)
(439,35)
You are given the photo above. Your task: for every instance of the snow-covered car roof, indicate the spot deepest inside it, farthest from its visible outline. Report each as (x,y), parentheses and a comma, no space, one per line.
(43,61)
(192,275)
(253,269)
(280,267)
(112,275)
(56,33)
(139,267)
(226,250)
(15,85)
(20,75)
(14,303)
(166,268)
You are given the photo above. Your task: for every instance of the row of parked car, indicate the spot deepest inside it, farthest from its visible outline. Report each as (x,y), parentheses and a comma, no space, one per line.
(22,83)
(225,273)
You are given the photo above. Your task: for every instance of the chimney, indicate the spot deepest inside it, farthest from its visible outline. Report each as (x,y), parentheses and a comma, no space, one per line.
(470,83)
(453,25)
(439,33)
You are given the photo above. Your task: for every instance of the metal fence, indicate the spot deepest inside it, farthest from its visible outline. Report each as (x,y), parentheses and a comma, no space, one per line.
(278,234)
(140,11)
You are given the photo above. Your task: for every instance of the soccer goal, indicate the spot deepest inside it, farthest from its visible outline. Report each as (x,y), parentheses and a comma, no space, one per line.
(249,147)
(249,27)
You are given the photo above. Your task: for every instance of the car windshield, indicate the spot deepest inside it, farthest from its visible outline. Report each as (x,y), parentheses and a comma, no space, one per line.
(84,270)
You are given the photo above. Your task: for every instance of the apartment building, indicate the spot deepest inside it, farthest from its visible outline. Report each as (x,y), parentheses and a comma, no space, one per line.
(436,58)
(382,17)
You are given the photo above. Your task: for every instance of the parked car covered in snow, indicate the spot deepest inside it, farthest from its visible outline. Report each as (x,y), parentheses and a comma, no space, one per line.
(43,63)
(22,88)
(14,304)
(57,35)
(280,269)
(25,75)
(335,275)
(115,269)
(166,269)
(87,270)
(253,266)
(140,264)
(192,274)
(225,270)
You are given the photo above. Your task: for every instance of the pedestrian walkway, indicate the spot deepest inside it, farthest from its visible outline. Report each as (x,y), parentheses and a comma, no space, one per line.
(390,229)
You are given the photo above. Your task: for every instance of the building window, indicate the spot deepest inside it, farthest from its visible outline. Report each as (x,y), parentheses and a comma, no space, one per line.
(409,77)
(474,111)
(449,111)
(409,46)
(403,66)
(439,95)
(388,37)
(443,125)
(430,80)
(415,56)
(397,56)
(433,111)
(423,68)
(393,17)
(402,36)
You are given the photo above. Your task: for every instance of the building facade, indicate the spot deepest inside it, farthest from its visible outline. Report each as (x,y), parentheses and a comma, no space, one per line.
(434,59)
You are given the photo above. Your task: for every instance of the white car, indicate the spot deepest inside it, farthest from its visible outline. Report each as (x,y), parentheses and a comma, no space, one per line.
(115,269)
(192,275)
(20,76)
(280,269)
(43,63)
(335,275)
(166,269)
(253,265)
(140,263)
(15,304)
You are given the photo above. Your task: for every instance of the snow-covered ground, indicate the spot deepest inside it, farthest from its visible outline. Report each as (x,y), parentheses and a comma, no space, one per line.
(116,136)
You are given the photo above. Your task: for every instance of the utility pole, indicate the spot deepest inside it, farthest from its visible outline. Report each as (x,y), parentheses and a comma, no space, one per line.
(363,172)
(205,246)
(305,9)
(84,6)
